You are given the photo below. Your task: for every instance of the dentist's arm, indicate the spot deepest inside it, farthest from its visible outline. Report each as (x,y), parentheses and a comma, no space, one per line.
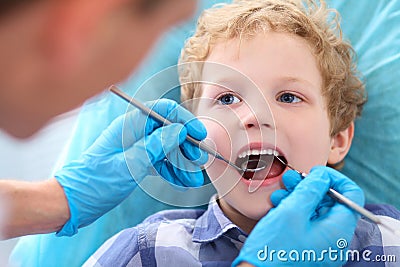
(31,207)
(131,148)
(304,219)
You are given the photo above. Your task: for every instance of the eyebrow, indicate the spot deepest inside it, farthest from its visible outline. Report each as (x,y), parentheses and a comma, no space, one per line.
(222,84)
(227,82)
(292,79)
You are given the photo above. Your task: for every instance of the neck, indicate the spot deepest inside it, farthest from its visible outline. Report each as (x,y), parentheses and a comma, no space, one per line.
(244,223)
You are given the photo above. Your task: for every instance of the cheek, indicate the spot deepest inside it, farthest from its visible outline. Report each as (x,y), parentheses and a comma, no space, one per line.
(219,136)
(219,139)
(320,141)
(312,143)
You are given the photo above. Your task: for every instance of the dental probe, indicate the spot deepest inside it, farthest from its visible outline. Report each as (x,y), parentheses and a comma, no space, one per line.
(165,121)
(349,203)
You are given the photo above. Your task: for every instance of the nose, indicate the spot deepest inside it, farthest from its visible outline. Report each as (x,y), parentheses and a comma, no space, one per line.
(257,117)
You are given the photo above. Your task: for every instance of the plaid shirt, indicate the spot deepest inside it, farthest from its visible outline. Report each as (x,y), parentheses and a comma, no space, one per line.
(191,237)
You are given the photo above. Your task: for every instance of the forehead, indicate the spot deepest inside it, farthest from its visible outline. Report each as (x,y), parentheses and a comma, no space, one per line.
(263,59)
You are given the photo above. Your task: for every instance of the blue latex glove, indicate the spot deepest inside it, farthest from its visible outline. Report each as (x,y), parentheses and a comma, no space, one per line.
(290,180)
(295,225)
(133,145)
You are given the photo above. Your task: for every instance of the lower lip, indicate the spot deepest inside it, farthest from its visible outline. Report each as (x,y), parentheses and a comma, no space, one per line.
(266,182)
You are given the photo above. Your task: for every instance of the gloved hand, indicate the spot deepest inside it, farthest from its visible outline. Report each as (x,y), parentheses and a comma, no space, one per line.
(290,180)
(132,147)
(297,228)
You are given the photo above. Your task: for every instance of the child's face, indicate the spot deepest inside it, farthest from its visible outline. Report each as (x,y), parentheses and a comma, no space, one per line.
(238,118)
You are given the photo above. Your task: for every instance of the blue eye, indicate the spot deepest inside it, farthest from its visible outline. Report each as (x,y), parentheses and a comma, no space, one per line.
(288,98)
(228,99)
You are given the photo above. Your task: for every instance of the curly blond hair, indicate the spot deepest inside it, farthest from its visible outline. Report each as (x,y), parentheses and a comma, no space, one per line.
(342,88)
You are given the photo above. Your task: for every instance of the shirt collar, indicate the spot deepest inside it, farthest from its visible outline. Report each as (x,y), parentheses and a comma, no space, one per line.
(213,223)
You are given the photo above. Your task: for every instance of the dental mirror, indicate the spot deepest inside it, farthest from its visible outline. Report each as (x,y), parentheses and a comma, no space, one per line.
(259,165)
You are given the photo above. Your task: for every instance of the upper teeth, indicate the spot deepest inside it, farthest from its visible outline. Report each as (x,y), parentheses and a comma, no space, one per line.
(259,152)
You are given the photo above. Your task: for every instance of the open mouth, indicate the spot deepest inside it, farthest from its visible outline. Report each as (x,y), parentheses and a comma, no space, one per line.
(254,159)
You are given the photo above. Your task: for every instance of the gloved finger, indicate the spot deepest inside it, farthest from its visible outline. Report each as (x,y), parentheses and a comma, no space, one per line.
(188,177)
(327,201)
(195,127)
(323,207)
(309,192)
(277,196)
(345,186)
(186,171)
(166,170)
(290,179)
(124,131)
(170,137)
(176,169)
(180,171)
(137,124)
(153,148)
(178,114)
(194,153)
(339,215)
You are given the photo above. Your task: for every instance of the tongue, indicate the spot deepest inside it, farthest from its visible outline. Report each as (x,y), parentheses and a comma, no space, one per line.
(276,169)
(273,170)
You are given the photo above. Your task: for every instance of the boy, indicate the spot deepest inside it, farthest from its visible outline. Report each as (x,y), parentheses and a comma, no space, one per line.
(275,78)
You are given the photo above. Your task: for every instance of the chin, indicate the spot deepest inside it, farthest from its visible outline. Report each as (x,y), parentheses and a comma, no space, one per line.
(24,130)
(258,211)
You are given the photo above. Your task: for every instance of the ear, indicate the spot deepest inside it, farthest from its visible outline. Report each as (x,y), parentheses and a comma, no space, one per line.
(71,26)
(340,145)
